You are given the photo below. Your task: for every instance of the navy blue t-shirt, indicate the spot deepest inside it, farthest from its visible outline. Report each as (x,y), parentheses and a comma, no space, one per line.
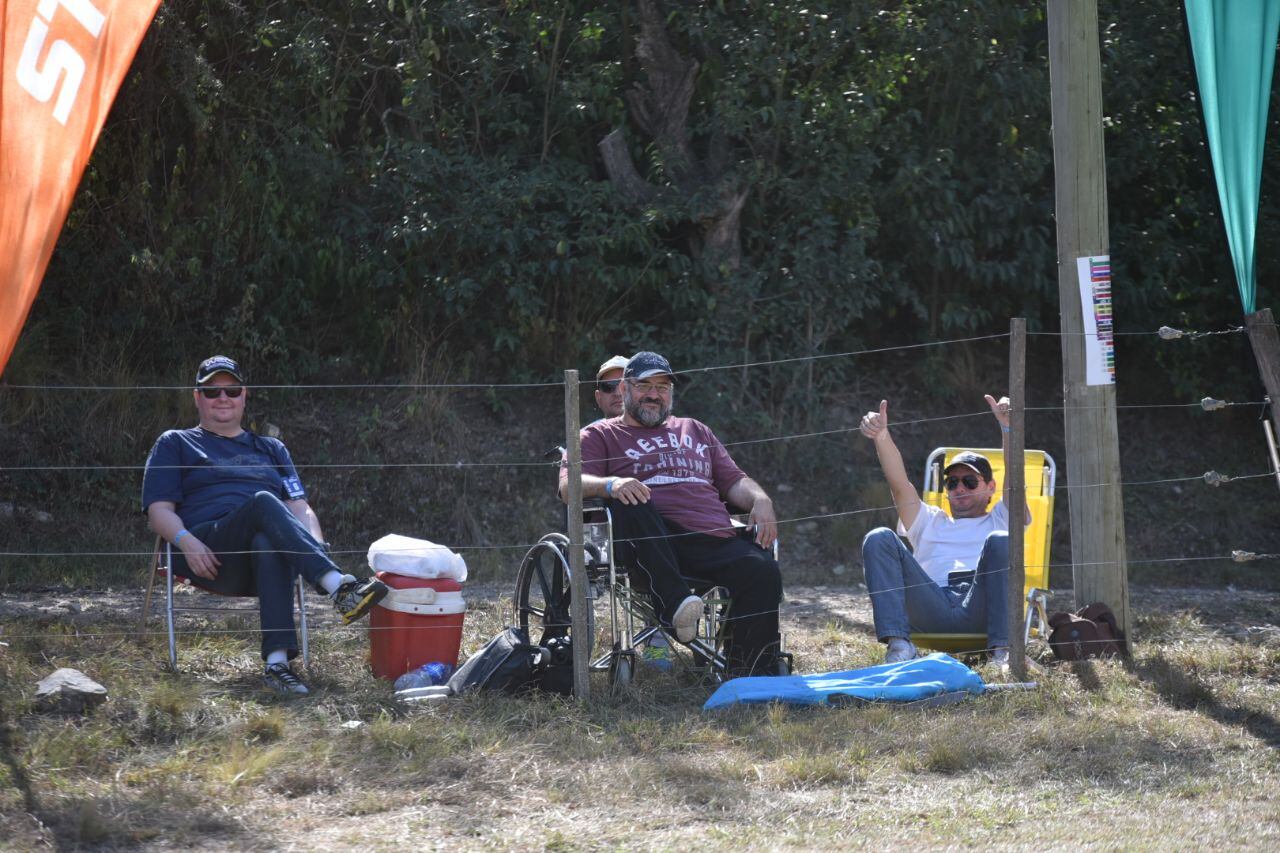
(207,475)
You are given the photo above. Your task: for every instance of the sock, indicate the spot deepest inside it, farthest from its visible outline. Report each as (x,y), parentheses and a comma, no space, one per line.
(333,579)
(278,656)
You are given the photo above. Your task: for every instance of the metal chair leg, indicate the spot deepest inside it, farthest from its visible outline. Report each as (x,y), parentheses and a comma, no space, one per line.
(151,583)
(302,623)
(168,606)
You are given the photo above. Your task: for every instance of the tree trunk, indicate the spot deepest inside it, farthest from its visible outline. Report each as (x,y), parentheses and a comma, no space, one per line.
(660,108)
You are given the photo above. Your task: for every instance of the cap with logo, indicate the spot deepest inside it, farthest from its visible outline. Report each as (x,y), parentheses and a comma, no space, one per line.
(645,364)
(218,364)
(978,463)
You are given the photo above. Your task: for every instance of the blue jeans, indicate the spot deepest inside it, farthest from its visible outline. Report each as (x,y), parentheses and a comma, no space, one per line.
(905,599)
(263,547)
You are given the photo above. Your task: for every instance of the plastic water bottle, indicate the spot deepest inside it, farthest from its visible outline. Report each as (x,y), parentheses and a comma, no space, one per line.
(427,675)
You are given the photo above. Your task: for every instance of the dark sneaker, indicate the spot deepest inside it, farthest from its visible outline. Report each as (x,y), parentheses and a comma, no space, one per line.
(280,679)
(355,597)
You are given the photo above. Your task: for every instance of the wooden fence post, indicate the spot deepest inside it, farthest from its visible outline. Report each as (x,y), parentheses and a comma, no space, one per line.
(1266,349)
(1015,492)
(578,604)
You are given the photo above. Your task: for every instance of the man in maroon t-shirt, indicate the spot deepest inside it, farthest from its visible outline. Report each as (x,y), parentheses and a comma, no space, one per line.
(666,480)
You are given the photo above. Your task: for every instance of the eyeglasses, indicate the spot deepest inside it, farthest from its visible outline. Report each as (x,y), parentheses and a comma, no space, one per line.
(608,386)
(970,482)
(644,386)
(217,391)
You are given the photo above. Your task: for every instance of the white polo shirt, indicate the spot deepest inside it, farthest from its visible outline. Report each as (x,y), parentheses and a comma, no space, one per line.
(942,544)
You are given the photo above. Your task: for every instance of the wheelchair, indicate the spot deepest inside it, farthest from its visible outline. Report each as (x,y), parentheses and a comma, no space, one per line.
(542,599)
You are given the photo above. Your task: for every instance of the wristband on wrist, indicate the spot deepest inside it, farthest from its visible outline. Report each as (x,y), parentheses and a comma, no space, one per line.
(1005,428)
(608,486)
(183,532)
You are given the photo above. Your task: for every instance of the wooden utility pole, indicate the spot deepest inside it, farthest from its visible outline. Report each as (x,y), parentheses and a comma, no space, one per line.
(1266,349)
(1099,569)
(1265,339)
(579,628)
(1015,492)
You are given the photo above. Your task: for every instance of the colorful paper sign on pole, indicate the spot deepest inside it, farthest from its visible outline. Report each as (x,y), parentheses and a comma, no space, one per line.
(61,63)
(1095,306)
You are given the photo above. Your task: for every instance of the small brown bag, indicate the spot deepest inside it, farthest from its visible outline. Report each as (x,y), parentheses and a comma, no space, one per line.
(1091,632)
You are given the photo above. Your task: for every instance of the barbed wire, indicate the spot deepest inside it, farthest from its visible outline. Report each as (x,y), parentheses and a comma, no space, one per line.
(1211,478)
(352,386)
(322,624)
(1207,403)
(1164,332)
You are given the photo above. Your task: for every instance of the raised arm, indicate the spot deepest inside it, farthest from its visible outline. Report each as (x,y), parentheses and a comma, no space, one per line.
(875,426)
(1000,409)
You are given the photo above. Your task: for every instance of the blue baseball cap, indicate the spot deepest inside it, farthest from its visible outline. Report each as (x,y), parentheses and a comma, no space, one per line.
(218,364)
(645,364)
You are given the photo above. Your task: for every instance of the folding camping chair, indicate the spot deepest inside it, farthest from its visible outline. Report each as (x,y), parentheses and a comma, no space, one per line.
(161,562)
(1041,474)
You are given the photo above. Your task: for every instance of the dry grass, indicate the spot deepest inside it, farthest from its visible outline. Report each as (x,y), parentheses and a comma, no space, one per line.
(1176,748)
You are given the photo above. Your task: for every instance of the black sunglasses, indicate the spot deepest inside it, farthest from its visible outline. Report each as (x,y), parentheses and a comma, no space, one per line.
(216,391)
(970,482)
(608,386)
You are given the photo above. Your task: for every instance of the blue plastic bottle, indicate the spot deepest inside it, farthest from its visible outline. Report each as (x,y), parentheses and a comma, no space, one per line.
(427,675)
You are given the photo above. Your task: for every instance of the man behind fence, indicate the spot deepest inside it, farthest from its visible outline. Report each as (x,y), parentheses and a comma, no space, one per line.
(957,580)
(233,506)
(666,480)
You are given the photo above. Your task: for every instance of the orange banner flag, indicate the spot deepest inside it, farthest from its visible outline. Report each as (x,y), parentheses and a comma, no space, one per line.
(61,63)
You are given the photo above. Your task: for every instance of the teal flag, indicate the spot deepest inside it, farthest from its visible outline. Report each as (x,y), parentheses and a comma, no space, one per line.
(1234,43)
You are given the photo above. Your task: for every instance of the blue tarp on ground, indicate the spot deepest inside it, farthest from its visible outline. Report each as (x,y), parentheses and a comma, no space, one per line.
(887,682)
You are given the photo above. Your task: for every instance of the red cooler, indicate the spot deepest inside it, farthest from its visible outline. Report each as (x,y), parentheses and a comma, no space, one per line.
(419,621)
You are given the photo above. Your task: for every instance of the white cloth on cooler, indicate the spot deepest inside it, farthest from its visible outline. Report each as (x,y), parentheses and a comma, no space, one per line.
(417,558)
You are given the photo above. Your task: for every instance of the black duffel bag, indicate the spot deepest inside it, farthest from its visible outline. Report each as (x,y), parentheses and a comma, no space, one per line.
(508,662)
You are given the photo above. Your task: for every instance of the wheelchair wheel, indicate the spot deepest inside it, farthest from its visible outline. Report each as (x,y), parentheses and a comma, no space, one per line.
(543,595)
(622,670)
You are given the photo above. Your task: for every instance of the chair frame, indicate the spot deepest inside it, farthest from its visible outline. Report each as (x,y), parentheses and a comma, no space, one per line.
(1036,583)
(161,564)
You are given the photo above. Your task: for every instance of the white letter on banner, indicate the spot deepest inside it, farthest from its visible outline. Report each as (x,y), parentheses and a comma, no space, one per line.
(82,10)
(41,84)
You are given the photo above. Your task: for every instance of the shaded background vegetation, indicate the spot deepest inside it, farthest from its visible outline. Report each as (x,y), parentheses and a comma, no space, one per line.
(392,192)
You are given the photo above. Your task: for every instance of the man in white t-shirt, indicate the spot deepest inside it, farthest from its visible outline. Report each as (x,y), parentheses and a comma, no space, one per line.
(957,579)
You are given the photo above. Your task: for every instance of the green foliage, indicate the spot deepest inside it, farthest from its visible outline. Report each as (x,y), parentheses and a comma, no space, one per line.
(403,190)
(331,186)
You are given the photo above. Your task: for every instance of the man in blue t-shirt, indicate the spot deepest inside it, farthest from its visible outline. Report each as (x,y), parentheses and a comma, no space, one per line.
(232,505)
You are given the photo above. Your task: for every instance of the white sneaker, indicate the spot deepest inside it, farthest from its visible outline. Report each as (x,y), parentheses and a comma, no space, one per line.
(685,620)
(900,651)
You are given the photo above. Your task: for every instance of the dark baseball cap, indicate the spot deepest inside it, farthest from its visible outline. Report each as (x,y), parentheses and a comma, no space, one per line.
(218,364)
(645,364)
(979,463)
